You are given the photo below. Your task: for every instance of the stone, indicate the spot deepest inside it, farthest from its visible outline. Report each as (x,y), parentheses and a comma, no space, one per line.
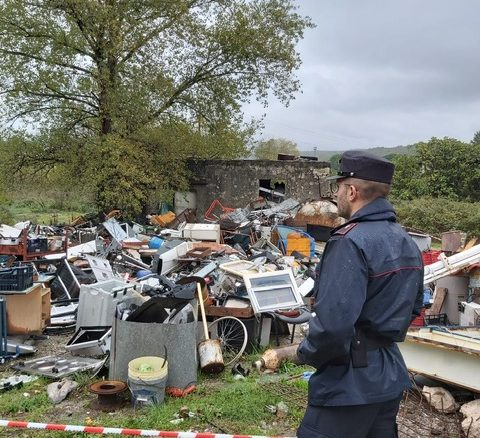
(471,409)
(471,423)
(440,399)
(282,409)
(58,391)
(471,427)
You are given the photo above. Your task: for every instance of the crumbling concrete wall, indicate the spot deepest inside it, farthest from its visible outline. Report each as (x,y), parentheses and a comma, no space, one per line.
(236,182)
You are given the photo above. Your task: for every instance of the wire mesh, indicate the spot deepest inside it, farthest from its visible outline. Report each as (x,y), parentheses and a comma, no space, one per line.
(417,418)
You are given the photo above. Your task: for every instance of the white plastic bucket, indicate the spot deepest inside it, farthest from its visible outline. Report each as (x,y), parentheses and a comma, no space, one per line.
(147,379)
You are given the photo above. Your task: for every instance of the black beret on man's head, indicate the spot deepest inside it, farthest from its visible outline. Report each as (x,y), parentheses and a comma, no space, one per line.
(363,165)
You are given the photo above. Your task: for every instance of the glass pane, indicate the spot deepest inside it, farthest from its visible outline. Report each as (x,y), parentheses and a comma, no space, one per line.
(277,297)
(277,280)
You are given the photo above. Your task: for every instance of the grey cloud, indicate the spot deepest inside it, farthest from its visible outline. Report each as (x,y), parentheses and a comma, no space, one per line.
(383,73)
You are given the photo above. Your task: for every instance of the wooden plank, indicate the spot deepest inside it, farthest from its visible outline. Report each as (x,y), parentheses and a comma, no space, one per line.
(439,298)
(238,312)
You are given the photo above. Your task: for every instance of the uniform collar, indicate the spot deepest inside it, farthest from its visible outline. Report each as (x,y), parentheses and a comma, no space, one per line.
(377,210)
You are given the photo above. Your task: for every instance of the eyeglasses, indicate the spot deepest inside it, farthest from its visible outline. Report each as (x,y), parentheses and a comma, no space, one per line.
(335,187)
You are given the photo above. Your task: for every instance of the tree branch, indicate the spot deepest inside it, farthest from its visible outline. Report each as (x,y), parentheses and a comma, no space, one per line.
(40,58)
(29,34)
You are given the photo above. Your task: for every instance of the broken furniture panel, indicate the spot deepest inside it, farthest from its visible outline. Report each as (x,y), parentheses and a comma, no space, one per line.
(451,355)
(27,311)
(166,258)
(438,299)
(101,268)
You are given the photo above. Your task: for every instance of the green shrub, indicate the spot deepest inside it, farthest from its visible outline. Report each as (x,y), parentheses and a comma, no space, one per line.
(5,215)
(437,215)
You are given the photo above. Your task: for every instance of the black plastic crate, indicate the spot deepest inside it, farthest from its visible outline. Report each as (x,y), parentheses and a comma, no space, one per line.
(439,319)
(39,244)
(18,277)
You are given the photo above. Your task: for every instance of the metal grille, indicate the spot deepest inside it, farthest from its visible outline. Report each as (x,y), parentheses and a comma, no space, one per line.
(417,418)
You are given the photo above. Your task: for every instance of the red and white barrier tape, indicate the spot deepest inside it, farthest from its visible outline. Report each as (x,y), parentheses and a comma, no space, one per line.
(117,431)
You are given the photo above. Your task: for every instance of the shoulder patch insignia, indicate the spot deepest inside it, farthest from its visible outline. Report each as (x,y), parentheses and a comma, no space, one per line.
(344,230)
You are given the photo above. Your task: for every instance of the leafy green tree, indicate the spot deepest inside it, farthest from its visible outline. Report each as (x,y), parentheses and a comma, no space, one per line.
(269,149)
(440,168)
(335,163)
(115,66)
(476,138)
(110,74)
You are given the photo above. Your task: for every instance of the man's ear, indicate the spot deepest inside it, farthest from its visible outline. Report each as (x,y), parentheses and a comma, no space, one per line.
(353,193)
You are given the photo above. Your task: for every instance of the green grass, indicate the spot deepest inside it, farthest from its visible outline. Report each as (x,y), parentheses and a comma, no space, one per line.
(45,212)
(27,399)
(221,404)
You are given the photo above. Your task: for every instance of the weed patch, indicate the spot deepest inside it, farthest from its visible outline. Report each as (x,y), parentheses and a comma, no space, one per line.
(221,404)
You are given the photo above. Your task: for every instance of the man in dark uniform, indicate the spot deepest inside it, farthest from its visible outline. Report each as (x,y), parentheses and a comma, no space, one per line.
(368,288)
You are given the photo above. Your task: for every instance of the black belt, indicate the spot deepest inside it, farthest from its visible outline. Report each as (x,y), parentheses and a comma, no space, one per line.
(361,343)
(376,342)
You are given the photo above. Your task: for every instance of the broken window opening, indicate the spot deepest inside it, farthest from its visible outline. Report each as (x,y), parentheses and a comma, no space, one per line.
(275,193)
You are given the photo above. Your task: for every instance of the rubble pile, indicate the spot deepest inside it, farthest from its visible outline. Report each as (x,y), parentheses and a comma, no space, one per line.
(119,285)
(133,291)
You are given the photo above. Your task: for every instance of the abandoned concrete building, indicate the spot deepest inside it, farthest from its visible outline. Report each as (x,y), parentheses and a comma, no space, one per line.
(236,183)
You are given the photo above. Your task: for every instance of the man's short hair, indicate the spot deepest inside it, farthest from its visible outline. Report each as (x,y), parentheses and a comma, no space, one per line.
(371,190)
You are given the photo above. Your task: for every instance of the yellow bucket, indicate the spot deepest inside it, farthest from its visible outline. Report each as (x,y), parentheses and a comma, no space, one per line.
(148,368)
(147,378)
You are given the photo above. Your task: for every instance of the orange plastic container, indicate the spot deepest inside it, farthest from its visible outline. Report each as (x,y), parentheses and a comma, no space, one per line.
(299,243)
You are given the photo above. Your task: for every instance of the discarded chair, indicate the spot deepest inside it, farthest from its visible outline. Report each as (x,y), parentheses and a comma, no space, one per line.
(216,204)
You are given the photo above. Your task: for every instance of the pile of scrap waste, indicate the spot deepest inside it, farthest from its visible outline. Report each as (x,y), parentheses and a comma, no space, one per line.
(206,290)
(156,301)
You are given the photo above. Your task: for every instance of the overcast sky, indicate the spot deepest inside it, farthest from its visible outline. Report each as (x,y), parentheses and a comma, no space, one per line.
(383,73)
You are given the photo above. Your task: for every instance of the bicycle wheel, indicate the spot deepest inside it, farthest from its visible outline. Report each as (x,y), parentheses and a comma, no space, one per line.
(233,337)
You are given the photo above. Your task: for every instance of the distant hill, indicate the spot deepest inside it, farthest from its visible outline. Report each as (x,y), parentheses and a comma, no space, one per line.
(382,152)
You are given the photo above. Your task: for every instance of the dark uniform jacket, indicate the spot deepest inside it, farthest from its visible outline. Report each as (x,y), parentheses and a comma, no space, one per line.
(370,278)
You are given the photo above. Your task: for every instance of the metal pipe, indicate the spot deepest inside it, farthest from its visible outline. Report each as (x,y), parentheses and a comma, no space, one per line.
(3,317)
(449,265)
(64,287)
